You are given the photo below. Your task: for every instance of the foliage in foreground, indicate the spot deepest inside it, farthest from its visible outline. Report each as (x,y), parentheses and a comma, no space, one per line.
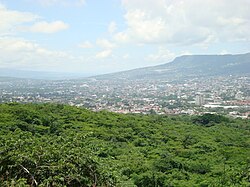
(59,145)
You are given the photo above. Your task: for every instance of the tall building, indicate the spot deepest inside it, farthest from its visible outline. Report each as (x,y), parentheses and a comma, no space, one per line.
(199,100)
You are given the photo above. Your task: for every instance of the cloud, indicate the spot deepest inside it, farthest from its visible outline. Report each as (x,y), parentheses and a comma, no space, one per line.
(185,22)
(86,45)
(11,19)
(17,52)
(107,46)
(112,27)
(12,22)
(20,53)
(60,2)
(123,37)
(162,55)
(104,54)
(16,45)
(48,28)
(104,43)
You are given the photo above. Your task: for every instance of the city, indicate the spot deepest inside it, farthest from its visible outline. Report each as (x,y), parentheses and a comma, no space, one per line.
(226,95)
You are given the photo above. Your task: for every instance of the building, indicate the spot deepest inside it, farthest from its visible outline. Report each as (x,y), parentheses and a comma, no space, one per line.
(199,100)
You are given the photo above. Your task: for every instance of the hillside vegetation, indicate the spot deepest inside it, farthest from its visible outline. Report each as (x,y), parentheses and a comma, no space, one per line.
(59,145)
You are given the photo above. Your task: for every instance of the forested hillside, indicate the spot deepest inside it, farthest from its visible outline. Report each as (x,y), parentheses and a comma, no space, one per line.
(59,145)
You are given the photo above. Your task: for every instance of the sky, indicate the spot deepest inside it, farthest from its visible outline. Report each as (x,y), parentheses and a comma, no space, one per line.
(103,36)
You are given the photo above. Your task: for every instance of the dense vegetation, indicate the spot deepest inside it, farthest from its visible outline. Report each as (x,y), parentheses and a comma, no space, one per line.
(59,145)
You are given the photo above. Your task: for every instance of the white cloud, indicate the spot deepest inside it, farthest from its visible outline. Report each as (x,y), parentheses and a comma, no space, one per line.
(11,19)
(107,46)
(122,37)
(185,22)
(45,27)
(60,2)
(86,45)
(112,27)
(12,22)
(104,43)
(163,55)
(20,53)
(16,45)
(104,54)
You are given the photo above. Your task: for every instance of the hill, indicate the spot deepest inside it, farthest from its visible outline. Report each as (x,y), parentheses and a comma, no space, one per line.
(59,145)
(190,66)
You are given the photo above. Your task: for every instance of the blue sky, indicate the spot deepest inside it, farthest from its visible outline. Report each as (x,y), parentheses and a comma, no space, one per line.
(94,37)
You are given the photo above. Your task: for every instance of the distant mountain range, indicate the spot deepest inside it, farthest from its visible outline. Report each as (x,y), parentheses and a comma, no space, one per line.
(189,66)
(13,73)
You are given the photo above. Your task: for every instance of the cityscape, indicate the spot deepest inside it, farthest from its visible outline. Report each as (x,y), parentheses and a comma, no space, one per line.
(226,95)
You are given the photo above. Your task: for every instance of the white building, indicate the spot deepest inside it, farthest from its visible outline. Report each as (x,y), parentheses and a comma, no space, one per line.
(199,100)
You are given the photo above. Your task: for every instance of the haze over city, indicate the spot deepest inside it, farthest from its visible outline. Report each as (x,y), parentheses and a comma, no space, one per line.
(97,37)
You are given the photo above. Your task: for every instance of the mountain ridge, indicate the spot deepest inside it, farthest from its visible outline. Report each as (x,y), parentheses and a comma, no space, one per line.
(188,66)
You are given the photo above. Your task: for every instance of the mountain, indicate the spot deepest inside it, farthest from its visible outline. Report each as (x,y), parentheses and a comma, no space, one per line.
(14,73)
(189,66)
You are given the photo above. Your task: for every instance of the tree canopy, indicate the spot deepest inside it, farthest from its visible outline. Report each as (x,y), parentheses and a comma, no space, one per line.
(60,145)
